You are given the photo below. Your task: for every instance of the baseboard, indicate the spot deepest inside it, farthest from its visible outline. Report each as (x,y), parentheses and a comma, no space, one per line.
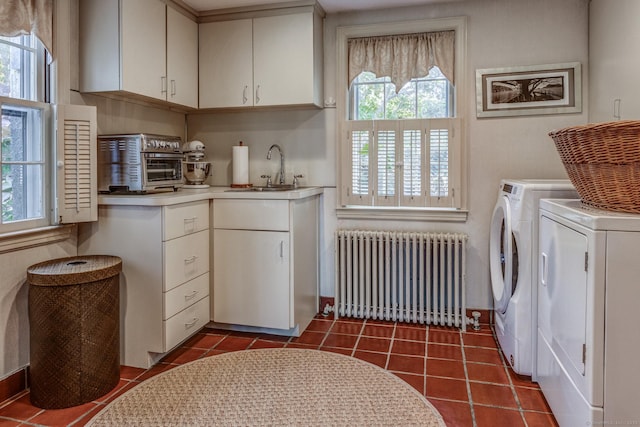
(13,384)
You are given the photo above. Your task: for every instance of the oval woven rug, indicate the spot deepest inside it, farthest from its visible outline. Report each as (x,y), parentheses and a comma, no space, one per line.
(272,387)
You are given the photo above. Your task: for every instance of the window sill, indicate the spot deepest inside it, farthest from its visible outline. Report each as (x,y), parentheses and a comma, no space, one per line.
(404,214)
(18,240)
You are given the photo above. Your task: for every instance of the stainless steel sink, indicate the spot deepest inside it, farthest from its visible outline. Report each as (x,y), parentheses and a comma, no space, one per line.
(277,187)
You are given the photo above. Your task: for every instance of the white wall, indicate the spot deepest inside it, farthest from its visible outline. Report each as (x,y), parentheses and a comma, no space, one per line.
(501,33)
(14,316)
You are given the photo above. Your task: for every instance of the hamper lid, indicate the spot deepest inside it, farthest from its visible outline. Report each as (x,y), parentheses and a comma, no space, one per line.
(74,270)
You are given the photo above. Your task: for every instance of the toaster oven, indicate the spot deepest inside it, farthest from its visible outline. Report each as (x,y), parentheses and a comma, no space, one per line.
(139,163)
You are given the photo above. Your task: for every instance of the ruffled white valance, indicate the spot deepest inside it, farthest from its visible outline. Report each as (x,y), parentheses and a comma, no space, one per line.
(403,57)
(28,16)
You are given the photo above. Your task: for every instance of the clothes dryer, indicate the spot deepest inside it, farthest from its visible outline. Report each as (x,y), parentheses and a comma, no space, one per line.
(513,248)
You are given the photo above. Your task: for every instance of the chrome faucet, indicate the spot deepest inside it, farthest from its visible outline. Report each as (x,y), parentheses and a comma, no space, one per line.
(281,179)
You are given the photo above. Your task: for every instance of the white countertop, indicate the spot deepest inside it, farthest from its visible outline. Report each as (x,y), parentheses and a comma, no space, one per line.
(193,195)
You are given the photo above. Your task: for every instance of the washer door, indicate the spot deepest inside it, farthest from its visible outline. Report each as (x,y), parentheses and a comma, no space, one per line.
(501,254)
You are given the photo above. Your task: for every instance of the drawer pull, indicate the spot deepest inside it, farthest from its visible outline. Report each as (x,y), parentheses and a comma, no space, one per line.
(191,324)
(190,296)
(190,260)
(190,224)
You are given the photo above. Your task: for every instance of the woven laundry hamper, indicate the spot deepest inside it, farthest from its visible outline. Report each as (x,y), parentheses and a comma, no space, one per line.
(603,163)
(74,329)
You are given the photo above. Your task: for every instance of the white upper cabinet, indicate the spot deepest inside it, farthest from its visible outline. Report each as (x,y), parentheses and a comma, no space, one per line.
(127,47)
(182,59)
(283,60)
(226,64)
(264,61)
(143,47)
(614,63)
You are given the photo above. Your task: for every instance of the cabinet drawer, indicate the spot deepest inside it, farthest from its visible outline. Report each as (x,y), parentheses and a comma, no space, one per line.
(186,323)
(185,218)
(183,296)
(185,258)
(251,214)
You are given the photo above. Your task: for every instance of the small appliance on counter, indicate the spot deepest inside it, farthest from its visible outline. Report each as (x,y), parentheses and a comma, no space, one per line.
(195,169)
(139,163)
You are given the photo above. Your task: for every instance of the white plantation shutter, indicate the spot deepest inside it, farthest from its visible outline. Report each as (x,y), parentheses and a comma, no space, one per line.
(385,167)
(358,185)
(404,163)
(360,157)
(443,162)
(76,145)
(411,174)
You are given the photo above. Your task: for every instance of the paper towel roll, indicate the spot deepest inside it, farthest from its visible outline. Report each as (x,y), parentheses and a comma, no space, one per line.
(240,165)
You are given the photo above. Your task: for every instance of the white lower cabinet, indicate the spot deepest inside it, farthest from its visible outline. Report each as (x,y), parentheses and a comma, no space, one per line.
(252,275)
(265,263)
(165,282)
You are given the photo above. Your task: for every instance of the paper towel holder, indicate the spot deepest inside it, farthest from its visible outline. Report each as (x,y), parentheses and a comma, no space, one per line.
(241,185)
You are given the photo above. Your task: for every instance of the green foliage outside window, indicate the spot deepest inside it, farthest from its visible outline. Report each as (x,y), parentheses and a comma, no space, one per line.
(375,98)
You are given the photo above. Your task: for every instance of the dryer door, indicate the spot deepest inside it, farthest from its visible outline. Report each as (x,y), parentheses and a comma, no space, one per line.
(501,254)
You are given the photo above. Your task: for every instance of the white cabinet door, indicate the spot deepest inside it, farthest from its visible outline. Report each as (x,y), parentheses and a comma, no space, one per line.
(563,293)
(614,35)
(143,44)
(226,64)
(182,59)
(283,59)
(251,283)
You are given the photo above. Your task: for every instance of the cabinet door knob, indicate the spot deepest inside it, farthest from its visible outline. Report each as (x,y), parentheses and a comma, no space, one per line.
(257,94)
(244,95)
(173,88)
(163,84)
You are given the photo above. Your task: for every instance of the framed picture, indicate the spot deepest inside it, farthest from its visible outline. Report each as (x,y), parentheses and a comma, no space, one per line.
(529,90)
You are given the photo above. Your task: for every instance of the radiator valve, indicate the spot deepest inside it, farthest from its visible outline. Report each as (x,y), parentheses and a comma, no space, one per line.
(327,309)
(476,320)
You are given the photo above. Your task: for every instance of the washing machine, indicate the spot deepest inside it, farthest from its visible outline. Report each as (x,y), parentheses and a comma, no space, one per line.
(513,247)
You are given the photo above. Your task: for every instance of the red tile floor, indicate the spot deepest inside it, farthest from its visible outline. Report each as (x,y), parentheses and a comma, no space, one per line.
(462,374)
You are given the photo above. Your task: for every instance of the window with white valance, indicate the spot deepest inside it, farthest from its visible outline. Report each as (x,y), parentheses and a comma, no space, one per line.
(401,139)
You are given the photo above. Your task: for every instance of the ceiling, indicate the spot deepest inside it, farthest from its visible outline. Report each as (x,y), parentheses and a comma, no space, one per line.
(329,6)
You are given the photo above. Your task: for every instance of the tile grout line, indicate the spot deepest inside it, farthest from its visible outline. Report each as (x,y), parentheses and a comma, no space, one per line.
(511,385)
(426,356)
(466,374)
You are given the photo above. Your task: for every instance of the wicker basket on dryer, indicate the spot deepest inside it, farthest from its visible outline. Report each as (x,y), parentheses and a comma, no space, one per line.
(603,163)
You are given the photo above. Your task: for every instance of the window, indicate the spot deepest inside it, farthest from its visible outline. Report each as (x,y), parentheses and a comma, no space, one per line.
(401,135)
(372,98)
(23,154)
